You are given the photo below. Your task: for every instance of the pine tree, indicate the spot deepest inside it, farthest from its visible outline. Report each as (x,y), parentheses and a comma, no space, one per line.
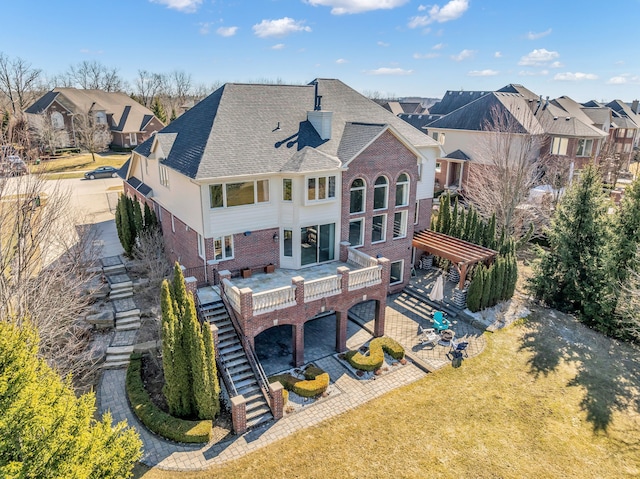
(625,242)
(468,226)
(571,276)
(172,382)
(454,218)
(158,110)
(118,220)
(486,289)
(173,115)
(445,211)
(498,281)
(478,229)
(474,293)
(179,291)
(211,368)
(460,224)
(150,220)
(125,234)
(45,430)
(138,219)
(489,234)
(131,215)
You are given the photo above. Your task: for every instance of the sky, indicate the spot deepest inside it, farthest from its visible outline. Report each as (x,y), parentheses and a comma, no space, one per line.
(584,49)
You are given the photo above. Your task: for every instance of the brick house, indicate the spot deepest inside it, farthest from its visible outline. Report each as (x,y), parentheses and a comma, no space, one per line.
(298,177)
(129,123)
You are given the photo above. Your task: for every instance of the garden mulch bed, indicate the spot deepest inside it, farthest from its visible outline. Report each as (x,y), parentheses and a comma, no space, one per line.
(297,403)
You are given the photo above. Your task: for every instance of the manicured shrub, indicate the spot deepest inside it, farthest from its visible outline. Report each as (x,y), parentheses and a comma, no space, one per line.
(377,348)
(315,383)
(156,420)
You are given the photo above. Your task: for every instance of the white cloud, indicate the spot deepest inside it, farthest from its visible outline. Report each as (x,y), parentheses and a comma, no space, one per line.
(482,73)
(463,55)
(278,46)
(341,7)
(557,65)
(535,36)
(341,61)
(538,57)
(383,44)
(497,55)
(425,56)
(438,46)
(529,73)
(279,28)
(389,71)
(451,11)
(227,31)
(186,6)
(624,79)
(577,76)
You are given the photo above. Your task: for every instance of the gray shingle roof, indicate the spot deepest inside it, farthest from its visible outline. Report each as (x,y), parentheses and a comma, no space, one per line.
(452,100)
(516,88)
(42,103)
(309,159)
(248,129)
(355,137)
(419,121)
(458,155)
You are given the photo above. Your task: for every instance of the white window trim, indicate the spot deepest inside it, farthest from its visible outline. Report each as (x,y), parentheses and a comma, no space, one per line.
(401,261)
(283,190)
(403,228)
(384,229)
(407,186)
(201,246)
(255,193)
(562,145)
(362,188)
(163,171)
(173,224)
(584,153)
(361,221)
(222,248)
(307,201)
(438,167)
(416,214)
(386,193)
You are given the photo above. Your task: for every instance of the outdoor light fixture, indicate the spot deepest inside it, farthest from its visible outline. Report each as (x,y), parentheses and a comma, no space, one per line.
(275,237)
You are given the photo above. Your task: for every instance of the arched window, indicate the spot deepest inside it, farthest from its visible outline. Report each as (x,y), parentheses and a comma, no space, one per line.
(380,193)
(357,196)
(402,190)
(57,120)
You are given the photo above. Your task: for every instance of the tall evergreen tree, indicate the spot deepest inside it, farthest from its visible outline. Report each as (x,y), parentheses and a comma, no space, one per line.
(212,371)
(150,220)
(158,110)
(572,276)
(138,219)
(468,225)
(445,211)
(474,293)
(173,115)
(625,241)
(172,378)
(123,225)
(454,218)
(45,430)
(485,301)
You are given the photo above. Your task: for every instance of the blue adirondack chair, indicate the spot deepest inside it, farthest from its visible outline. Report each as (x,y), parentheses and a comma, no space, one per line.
(440,323)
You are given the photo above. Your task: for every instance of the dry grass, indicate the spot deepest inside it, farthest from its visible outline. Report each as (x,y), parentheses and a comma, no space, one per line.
(73,166)
(548,398)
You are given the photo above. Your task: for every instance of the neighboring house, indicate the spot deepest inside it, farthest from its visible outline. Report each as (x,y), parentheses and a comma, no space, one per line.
(627,126)
(462,122)
(129,122)
(294,176)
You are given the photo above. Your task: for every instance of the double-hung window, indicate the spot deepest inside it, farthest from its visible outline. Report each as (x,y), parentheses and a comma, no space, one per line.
(239,194)
(357,196)
(380,193)
(356,232)
(402,190)
(400,224)
(584,147)
(559,146)
(223,247)
(320,188)
(379,229)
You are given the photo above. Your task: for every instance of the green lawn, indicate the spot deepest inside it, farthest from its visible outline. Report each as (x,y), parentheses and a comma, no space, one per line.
(73,166)
(548,398)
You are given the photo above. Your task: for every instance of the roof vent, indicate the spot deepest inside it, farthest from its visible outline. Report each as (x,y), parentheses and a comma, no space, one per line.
(555,117)
(568,118)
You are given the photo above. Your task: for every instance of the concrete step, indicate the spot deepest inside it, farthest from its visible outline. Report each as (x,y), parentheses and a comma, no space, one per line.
(120,349)
(229,347)
(126,314)
(122,285)
(120,294)
(116,358)
(128,327)
(258,410)
(241,386)
(238,377)
(256,421)
(233,356)
(128,320)
(115,365)
(240,361)
(115,269)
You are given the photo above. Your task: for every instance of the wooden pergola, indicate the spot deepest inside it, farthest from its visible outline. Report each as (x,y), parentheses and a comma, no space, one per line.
(461,253)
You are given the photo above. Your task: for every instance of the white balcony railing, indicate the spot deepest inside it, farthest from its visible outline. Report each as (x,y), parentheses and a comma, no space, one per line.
(322,287)
(361,259)
(273,299)
(233,294)
(365,277)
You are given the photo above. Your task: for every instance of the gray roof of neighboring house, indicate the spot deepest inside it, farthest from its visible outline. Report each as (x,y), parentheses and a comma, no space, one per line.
(478,114)
(516,88)
(624,122)
(593,104)
(452,100)
(127,114)
(557,121)
(458,155)
(598,115)
(419,121)
(573,108)
(623,109)
(248,129)
(124,169)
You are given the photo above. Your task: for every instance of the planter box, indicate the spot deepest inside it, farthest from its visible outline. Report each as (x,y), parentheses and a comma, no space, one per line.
(270,268)
(246,273)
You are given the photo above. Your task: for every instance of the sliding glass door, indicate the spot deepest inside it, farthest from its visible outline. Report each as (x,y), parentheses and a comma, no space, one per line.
(317,244)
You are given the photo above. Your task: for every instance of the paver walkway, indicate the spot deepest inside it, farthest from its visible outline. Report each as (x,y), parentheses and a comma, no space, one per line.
(402,317)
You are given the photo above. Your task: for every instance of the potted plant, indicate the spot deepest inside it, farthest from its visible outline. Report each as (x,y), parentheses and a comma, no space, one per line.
(245,272)
(270,268)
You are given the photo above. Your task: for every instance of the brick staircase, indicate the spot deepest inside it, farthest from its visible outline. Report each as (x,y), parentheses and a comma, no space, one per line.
(234,364)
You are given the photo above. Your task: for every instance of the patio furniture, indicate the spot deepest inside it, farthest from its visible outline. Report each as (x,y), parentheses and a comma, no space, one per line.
(459,348)
(440,323)
(427,336)
(446,337)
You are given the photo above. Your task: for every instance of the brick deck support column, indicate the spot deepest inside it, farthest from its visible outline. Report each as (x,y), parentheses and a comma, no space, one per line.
(344,251)
(378,328)
(344,272)
(239,414)
(191,284)
(298,282)
(212,271)
(386,272)
(214,335)
(246,303)
(298,345)
(277,400)
(224,274)
(341,331)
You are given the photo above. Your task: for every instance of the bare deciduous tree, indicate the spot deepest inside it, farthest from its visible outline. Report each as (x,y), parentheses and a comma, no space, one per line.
(91,134)
(46,135)
(148,85)
(507,170)
(43,270)
(18,81)
(94,76)
(611,162)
